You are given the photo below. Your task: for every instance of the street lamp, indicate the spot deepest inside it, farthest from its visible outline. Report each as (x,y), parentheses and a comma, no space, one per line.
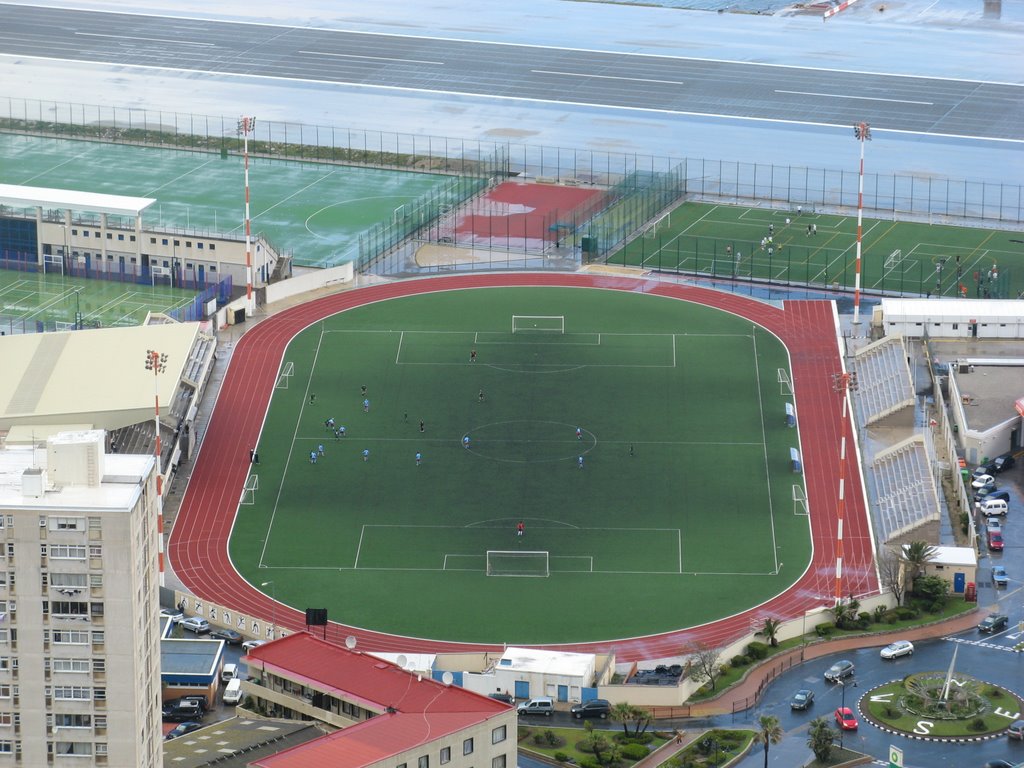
(157,363)
(273,608)
(863,133)
(843,705)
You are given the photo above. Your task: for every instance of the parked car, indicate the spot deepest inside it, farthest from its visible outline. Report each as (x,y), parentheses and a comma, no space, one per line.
(173,614)
(839,670)
(988,468)
(990,492)
(227,635)
(195,624)
(228,673)
(802,699)
(993,524)
(233,692)
(1003,462)
(249,645)
(999,577)
(593,708)
(541,706)
(983,481)
(994,622)
(181,729)
(183,711)
(845,719)
(1016,731)
(993,505)
(897,649)
(995,541)
(508,698)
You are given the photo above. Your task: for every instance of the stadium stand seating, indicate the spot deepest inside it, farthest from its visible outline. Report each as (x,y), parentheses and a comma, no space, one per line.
(884,386)
(903,488)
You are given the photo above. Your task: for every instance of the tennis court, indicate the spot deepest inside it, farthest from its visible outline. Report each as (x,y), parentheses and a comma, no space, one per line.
(314,211)
(809,247)
(35,301)
(667,508)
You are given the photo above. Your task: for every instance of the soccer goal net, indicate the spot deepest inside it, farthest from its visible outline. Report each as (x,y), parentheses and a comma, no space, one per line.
(538,324)
(517,563)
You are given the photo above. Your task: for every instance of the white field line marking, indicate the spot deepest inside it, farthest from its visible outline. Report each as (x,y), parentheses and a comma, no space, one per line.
(52,168)
(59,297)
(764,438)
(664,246)
(181,176)
(117,299)
(579,333)
(398,354)
(606,77)
(374,58)
(284,200)
(359,548)
(852,245)
(679,533)
(673,350)
(320,439)
(858,98)
(147,39)
(291,448)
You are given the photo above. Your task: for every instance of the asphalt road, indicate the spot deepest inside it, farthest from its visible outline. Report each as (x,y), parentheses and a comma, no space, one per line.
(536,73)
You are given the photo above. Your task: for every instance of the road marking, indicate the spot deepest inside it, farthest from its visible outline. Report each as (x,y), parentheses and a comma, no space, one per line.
(147,39)
(858,98)
(605,77)
(374,58)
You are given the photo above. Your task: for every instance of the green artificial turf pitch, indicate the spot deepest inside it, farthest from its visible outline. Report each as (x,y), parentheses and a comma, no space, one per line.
(28,297)
(691,526)
(900,257)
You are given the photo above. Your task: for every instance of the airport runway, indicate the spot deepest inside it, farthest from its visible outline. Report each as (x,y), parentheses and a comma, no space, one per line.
(922,105)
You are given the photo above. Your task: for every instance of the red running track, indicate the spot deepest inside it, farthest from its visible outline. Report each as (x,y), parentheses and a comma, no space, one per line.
(198,549)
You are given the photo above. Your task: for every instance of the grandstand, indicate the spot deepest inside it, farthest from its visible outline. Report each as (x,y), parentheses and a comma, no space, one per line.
(885,393)
(903,488)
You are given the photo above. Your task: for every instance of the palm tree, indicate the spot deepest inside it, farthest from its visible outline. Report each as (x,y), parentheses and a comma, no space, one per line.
(771,631)
(820,738)
(770,733)
(626,713)
(916,555)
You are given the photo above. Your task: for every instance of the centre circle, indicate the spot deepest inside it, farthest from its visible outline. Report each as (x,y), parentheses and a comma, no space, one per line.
(528,441)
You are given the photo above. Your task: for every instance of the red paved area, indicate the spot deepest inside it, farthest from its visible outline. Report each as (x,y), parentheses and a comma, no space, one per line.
(198,545)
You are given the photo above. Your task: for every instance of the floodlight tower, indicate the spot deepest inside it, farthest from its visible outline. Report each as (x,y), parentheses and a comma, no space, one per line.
(247,125)
(863,133)
(842,383)
(157,363)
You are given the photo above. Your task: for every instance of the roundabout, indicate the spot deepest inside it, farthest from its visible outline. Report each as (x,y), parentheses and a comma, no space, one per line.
(936,706)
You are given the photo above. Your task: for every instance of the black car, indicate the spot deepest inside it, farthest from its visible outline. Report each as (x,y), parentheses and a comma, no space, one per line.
(505,697)
(183,711)
(981,494)
(593,708)
(802,699)
(1002,463)
(181,729)
(994,622)
(227,635)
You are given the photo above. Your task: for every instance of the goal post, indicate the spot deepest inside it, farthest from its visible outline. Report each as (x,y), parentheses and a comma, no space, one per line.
(502,562)
(538,324)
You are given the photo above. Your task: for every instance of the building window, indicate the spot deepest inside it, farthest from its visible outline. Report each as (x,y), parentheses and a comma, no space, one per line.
(96,580)
(6,747)
(98,638)
(73,748)
(424,761)
(67,580)
(74,231)
(67,551)
(956,326)
(101,721)
(6,719)
(188,243)
(498,735)
(163,241)
(189,266)
(72,692)
(99,665)
(120,237)
(177,242)
(5,691)
(446,755)
(72,721)
(498,762)
(70,637)
(131,238)
(152,241)
(199,246)
(213,246)
(95,550)
(67,608)
(467,747)
(110,235)
(70,665)
(66,523)
(101,694)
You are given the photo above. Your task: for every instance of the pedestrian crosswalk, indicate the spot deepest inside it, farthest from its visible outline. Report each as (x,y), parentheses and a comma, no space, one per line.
(981,644)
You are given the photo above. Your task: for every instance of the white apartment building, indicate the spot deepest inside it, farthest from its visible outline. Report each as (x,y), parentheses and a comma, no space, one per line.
(79,645)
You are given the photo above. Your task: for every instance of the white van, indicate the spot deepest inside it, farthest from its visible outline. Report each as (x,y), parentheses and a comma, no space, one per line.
(228,673)
(992,507)
(233,691)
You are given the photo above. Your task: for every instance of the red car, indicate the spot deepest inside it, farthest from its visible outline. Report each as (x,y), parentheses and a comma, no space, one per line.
(995,541)
(845,719)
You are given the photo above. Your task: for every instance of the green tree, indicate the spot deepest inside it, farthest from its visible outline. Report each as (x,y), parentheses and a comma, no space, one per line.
(605,751)
(769,732)
(771,631)
(845,614)
(626,713)
(931,588)
(916,555)
(821,738)
(704,666)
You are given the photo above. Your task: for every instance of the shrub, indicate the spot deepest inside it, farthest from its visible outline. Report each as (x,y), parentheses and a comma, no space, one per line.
(993,693)
(739,661)
(891,711)
(880,612)
(906,613)
(589,762)
(757,651)
(634,751)
(644,738)
(823,630)
(561,757)
(551,738)
(863,620)
(977,724)
(891,617)
(539,740)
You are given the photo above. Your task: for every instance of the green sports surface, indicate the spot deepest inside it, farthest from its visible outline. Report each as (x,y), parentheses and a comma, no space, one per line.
(28,298)
(313,211)
(682,512)
(898,257)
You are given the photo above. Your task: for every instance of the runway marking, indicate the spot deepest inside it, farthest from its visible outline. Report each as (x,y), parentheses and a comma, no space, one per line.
(858,98)
(147,39)
(375,58)
(605,77)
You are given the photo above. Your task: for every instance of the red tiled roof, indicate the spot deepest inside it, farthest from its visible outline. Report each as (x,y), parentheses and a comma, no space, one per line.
(360,677)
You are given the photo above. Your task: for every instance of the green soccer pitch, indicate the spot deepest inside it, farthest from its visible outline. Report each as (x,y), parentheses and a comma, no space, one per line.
(682,513)
(898,257)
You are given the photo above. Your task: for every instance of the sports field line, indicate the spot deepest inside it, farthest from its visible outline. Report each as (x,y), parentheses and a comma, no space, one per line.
(291,448)
(767,469)
(683,232)
(53,168)
(846,250)
(458,438)
(759,574)
(571,333)
(58,298)
(151,192)
(284,200)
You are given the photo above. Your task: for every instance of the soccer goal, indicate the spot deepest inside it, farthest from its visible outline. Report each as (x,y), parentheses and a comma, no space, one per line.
(53,262)
(799,501)
(785,385)
(156,271)
(252,484)
(659,224)
(538,324)
(517,563)
(287,371)
(893,259)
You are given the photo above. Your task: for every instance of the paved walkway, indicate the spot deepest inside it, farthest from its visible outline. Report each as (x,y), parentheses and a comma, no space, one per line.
(744,694)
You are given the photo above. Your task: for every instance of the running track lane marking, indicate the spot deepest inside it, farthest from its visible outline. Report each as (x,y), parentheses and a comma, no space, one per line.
(764,445)
(291,448)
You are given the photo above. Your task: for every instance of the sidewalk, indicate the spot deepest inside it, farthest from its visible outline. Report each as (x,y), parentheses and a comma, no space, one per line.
(744,694)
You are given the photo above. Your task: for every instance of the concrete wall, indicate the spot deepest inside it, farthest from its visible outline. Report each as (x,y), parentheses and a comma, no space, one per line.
(310,281)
